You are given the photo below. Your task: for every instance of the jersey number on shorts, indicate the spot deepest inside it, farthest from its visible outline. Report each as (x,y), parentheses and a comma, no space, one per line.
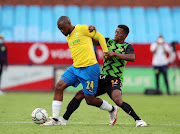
(90,84)
(114,82)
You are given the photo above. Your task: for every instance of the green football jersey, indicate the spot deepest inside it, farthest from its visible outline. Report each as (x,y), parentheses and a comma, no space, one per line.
(115,67)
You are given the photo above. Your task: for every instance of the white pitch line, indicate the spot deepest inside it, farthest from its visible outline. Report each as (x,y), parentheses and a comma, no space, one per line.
(120,123)
(15,122)
(94,123)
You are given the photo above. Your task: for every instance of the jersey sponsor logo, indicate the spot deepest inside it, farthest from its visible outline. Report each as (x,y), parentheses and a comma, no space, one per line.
(76,35)
(121,49)
(114,82)
(74,42)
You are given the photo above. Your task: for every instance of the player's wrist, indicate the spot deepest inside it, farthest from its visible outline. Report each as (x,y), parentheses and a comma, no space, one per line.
(114,54)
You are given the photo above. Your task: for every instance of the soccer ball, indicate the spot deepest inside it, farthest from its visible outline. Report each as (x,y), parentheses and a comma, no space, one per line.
(39,116)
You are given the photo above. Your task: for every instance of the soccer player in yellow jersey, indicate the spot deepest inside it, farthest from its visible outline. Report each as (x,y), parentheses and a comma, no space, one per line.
(111,78)
(85,69)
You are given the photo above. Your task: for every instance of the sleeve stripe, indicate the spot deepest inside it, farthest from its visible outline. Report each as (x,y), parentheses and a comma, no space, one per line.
(94,35)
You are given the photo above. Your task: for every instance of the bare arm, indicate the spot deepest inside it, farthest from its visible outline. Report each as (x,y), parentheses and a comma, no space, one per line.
(127,57)
(98,38)
(91,29)
(96,42)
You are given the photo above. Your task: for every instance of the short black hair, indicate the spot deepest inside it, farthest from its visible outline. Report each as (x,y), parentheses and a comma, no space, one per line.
(63,19)
(173,44)
(125,28)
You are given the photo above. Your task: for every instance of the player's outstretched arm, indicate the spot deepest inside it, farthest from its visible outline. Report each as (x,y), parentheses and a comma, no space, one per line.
(101,41)
(127,57)
(92,28)
(98,38)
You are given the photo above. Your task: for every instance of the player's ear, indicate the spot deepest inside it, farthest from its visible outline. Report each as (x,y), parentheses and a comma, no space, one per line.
(69,23)
(125,35)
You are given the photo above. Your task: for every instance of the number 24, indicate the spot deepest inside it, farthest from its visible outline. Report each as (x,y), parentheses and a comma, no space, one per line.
(90,84)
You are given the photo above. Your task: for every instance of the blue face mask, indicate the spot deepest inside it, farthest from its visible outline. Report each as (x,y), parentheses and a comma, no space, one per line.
(1,41)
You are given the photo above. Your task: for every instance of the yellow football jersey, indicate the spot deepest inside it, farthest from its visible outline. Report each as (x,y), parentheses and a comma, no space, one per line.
(81,46)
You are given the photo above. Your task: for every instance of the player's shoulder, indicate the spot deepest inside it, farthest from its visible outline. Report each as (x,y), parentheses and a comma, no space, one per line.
(81,26)
(77,26)
(128,44)
(109,40)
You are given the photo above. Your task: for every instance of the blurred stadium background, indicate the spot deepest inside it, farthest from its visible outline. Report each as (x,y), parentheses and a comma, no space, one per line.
(38,53)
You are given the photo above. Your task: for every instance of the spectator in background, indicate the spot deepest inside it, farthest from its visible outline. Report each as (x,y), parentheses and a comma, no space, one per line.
(160,61)
(174,62)
(3,58)
(173,59)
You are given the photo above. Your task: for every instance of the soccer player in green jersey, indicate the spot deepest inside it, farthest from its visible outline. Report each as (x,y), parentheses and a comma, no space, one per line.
(110,81)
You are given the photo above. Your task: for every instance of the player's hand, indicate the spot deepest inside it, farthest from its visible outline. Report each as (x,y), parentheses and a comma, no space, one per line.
(91,28)
(109,55)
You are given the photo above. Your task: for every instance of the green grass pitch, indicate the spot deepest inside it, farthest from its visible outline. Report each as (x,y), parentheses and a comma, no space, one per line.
(162,113)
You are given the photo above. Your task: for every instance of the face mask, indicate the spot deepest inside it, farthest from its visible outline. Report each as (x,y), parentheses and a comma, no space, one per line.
(160,41)
(1,41)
